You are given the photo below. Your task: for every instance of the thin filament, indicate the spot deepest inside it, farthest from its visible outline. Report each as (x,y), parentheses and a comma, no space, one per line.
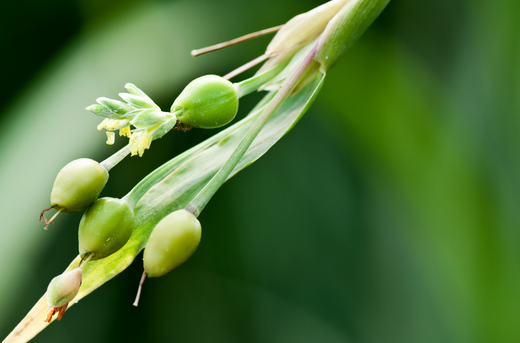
(55,215)
(138,296)
(247,66)
(84,261)
(224,45)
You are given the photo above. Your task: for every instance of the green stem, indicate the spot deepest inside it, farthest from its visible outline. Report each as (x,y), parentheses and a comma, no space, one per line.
(252,84)
(113,160)
(201,200)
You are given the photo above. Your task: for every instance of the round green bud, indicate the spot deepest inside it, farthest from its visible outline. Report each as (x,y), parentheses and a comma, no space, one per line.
(105,227)
(63,288)
(77,185)
(173,240)
(207,102)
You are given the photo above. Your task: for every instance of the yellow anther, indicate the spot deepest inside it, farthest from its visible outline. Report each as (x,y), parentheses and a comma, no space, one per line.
(102,125)
(112,124)
(111,137)
(125,132)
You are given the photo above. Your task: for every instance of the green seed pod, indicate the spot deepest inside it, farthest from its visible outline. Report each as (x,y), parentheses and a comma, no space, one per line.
(77,185)
(207,102)
(63,288)
(173,240)
(105,227)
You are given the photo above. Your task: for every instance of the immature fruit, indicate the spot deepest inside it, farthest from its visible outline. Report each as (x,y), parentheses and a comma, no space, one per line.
(105,227)
(77,185)
(207,102)
(63,288)
(173,240)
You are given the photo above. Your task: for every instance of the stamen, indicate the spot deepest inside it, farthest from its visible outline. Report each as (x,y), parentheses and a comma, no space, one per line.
(125,131)
(102,125)
(112,124)
(61,311)
(148,140)
(133,143)
(50,314)
(55,215)
(48,222)
(111,137)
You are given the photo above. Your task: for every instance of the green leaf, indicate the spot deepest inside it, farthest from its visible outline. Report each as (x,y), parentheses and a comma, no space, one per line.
(146,118)
(102,111)
(138,101)
(117,107)
(136,91)
(172,187)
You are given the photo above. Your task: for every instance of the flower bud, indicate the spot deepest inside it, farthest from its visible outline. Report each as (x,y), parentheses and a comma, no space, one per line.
(105,227)
(77,185)
(345,28)
(138,101)
(299,31)
(115,106)
(207,102)
(63,288)
(173,240)
(304,28)
(102,111)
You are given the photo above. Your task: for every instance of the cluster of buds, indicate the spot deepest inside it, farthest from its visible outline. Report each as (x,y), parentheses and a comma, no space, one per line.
(137,110)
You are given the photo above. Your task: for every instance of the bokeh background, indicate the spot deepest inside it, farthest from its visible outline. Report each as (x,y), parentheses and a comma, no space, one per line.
(390,213)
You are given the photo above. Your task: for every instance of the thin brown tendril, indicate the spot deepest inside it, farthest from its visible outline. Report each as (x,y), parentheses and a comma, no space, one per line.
(224,45)
(48,222)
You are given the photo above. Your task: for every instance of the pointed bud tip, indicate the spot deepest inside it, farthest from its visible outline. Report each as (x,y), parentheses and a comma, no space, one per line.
(63,288)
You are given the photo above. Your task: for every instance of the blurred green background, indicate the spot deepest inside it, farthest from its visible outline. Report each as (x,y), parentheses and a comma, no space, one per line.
(390,213)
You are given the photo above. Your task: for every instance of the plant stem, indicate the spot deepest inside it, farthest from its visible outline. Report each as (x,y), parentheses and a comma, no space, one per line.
(201,200)
(252,84)
(113,160)
(224,45)
(246,66)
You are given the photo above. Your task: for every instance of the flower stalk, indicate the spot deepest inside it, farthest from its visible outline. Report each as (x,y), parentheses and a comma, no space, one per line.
(113,160)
